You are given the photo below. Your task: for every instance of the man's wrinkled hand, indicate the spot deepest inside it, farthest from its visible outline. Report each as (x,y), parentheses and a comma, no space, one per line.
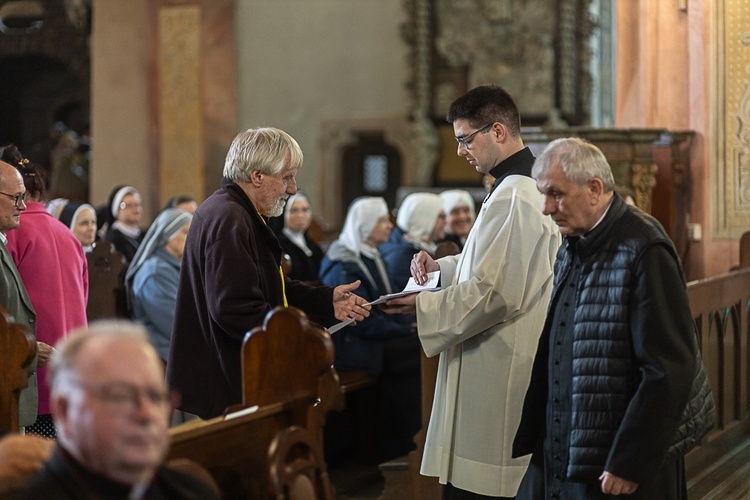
(347,305)
(45,353)
(613,485)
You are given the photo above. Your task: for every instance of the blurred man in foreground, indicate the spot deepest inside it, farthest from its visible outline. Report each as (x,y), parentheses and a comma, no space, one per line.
(111,408)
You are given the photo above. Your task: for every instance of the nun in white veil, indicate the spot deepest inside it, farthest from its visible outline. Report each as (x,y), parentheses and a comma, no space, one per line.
(154,273)
(420,224)
(459,208)
(367,225)
(383,345)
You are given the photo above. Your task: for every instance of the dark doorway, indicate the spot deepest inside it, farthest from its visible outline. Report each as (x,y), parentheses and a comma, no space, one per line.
(370,167)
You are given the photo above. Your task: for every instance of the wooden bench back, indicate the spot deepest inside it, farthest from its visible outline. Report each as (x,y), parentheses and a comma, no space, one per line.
(288,380)
(745,250)
(283,359)
(721,308)
(297,470)
(107,269)
(17,351)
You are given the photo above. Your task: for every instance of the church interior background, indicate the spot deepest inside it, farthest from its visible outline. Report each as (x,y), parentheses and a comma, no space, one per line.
(151,92)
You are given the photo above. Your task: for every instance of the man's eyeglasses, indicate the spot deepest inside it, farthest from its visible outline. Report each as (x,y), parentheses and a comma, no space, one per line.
(125,398)
(466,140)
(17,198)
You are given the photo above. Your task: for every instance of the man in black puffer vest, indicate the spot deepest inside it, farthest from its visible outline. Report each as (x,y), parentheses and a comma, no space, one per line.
(614,366)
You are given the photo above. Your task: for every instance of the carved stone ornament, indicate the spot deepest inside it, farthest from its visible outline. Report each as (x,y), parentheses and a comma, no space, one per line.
(643,180)
(731,144)
(536,49)
(742,150)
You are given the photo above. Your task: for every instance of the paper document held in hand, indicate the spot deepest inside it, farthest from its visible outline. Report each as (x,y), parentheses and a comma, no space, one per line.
(432,284)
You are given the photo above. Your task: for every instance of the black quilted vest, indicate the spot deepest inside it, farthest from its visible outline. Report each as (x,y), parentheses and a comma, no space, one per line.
(604,377)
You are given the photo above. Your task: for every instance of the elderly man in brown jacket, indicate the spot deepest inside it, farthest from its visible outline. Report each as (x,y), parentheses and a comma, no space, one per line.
(231,273)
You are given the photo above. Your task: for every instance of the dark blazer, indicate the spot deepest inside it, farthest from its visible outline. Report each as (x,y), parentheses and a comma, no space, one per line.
(14,298)
(64,478)
(229,281)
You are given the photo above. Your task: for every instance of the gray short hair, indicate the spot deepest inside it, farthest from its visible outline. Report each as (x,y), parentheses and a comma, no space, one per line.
(263,149)
(580,161)
(65,357)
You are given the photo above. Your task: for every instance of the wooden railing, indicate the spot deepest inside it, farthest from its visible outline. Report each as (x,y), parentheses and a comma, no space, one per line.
(720,308)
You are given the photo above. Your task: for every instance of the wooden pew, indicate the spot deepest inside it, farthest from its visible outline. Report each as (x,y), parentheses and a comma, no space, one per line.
(288,380)
(17,351)
(296,467)
(745,250)
(107,269)
(720,306)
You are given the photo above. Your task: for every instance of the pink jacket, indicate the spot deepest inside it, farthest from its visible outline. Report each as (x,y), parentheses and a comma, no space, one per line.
(53,268)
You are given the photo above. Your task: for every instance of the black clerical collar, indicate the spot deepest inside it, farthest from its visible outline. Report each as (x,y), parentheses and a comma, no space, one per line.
(518,163)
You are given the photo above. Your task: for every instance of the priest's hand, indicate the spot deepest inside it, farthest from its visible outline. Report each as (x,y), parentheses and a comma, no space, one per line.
(421,264)
(401,305)
(347,305)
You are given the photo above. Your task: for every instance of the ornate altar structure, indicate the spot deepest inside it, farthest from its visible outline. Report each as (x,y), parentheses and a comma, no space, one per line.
(653,163)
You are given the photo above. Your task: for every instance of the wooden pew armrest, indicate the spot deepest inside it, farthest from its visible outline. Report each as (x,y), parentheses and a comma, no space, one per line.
(351,381)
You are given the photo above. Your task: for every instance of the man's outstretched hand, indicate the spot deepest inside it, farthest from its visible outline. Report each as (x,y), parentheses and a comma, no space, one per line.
(347,305)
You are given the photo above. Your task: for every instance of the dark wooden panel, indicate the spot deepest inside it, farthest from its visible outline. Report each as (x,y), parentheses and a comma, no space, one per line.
(17,350)
(288,380)
(720,308)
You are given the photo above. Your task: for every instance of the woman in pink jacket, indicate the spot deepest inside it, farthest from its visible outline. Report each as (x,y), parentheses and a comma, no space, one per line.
(53,268)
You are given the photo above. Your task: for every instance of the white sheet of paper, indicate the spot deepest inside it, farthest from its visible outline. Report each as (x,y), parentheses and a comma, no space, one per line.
(431,285)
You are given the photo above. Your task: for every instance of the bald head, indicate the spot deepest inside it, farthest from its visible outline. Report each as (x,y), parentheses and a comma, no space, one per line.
(11,189)
(110,401)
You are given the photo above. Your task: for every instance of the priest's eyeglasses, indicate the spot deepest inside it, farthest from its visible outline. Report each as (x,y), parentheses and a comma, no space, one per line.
(17,198)
(466,140)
